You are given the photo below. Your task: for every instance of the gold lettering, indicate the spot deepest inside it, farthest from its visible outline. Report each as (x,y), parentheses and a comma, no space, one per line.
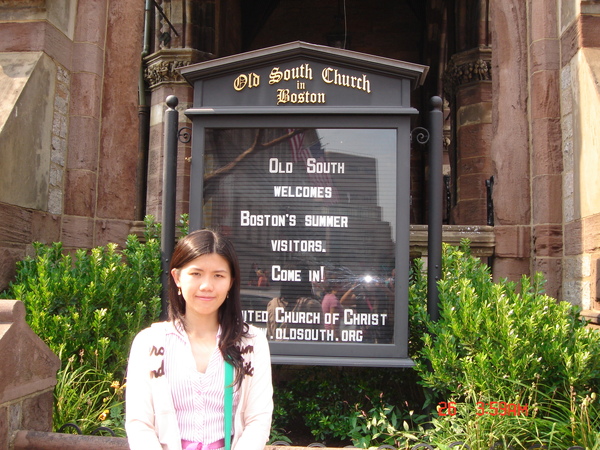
(253,80)
(303,71)
(333,76)
(246,81)
(276,76)
(240,82)
(285,96)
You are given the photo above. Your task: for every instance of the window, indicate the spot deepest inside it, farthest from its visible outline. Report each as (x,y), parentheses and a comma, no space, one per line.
(312,213)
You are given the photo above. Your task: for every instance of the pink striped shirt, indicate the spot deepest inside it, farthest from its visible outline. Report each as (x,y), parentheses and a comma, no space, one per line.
(198,397)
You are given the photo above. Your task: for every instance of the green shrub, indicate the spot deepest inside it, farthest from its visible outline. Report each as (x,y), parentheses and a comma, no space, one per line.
(332,403)
(496,339)
(91,304)
(89,398)
(87,307)
(383,424)
(493,342)
(507,342)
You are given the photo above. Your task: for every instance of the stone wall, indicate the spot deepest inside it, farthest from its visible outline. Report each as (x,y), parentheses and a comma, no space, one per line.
(580,115)
(69,130)
(545,60)
(27,375)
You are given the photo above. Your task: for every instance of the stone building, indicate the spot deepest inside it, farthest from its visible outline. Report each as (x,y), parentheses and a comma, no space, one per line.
(84,84)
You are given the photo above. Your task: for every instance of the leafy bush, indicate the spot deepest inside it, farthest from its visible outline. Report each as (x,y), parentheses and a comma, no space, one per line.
(494,342)
(93,304)
(89,398)
(332,403)
(383,424)
(497,339)
(87,308)
(507,342)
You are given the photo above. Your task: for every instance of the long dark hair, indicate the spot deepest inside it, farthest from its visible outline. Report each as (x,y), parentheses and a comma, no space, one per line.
(233,327)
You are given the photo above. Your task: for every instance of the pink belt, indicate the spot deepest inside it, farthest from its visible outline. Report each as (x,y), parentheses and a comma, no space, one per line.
(189,445)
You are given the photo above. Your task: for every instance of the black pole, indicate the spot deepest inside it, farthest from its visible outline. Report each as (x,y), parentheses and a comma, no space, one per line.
(434,234)
(168,198)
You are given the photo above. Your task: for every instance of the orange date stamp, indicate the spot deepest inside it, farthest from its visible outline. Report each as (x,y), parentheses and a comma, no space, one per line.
(486,408)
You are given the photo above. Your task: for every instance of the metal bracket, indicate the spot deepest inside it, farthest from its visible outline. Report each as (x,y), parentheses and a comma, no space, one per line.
(420,134)
(184,134)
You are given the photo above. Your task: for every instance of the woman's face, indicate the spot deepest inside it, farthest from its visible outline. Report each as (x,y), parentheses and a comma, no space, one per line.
(204,283)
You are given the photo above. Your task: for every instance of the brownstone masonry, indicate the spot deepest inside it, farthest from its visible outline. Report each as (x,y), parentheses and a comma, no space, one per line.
(27,375)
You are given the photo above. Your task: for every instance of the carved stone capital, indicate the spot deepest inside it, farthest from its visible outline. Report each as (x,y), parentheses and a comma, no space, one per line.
(163,66)
(467,67)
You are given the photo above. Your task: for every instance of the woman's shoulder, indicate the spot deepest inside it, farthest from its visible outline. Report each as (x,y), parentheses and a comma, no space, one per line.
(254,331)
(156,330)
(255,334)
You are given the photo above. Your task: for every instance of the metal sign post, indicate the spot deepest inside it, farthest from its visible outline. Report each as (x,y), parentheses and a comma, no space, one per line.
(434,259)
(168,199)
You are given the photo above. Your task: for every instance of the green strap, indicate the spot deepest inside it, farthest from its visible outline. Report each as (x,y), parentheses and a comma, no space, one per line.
(228,403)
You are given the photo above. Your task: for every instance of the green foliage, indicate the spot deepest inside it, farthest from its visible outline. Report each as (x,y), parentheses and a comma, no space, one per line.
(417,308)
(184,225)
(91,304)
(89,398)
(152,228)
(557,424)
(507,342)
(334,402)
(493,342)
(383,425)
(87,306)
(317,400)
(492,335)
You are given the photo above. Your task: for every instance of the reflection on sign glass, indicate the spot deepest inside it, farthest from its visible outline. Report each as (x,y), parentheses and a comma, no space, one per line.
(312,216)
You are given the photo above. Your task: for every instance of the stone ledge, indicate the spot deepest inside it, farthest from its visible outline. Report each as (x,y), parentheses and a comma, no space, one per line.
(21,377)
(592,315)
(482,238)
(39,440)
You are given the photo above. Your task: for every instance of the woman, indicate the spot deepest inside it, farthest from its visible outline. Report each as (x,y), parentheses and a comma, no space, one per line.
(176,371)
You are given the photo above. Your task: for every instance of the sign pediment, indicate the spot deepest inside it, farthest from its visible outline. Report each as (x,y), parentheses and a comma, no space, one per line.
(299,74)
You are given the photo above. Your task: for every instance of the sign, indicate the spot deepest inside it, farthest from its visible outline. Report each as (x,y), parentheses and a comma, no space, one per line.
(312,215)
(301,155)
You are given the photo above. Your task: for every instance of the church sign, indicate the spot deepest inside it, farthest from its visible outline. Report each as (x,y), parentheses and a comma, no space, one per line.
(301,155)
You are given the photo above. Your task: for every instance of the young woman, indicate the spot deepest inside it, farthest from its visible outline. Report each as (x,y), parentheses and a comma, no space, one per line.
(176,373)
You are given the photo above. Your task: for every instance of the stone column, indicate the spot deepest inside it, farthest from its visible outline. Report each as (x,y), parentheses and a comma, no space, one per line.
(468,84)
(27,375)
(84,121)
(100,183)
(164,79)
(118,155)
(546,150)
(510,140)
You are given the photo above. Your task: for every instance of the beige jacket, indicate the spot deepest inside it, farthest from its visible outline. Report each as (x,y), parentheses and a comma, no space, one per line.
(150,419)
